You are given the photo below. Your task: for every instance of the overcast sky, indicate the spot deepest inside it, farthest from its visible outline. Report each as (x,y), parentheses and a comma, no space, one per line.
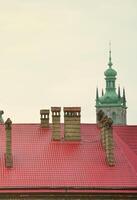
(55,52)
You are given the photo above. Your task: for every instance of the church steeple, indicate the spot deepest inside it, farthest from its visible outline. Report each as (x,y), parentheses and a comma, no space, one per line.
(111,102)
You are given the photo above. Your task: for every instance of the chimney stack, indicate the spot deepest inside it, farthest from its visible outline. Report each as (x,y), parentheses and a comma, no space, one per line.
(55,122)
(72,123)
(8,156)
(44,118)
(105,125)
(109,144)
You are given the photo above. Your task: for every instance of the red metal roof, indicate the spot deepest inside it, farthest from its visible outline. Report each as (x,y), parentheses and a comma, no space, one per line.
(129,135)
(40,162)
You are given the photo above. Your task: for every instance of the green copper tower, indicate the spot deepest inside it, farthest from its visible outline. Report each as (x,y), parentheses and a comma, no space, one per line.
(112,103)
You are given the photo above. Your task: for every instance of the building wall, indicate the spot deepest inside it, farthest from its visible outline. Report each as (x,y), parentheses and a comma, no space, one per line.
(118,114)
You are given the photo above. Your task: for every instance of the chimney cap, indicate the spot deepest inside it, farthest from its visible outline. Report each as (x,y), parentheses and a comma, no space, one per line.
(55,109)
(72,109)
(44,111)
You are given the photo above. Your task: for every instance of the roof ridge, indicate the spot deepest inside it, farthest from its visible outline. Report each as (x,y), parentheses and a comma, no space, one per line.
(127,125)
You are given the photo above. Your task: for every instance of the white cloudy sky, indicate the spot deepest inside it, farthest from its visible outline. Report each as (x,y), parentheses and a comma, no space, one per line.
(54,53)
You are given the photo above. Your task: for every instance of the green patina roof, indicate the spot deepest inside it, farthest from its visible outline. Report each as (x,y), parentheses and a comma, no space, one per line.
(110,98)
(110,72)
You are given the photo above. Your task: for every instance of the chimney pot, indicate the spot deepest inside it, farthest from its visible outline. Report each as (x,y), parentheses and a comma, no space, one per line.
(44,118)
(56,122)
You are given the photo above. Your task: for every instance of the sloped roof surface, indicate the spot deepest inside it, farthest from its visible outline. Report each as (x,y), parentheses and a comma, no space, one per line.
(39,161)
(129,135)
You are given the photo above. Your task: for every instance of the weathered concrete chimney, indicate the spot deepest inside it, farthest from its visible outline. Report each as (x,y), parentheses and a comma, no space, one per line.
(8,155)
(55,122)
(105,125)
(72,123)
(44,118)
(1,119)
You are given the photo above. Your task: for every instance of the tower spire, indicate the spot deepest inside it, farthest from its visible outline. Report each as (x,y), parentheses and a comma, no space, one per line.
(97,96)
(102,92)
(119,92)
(124,97)
(110,62)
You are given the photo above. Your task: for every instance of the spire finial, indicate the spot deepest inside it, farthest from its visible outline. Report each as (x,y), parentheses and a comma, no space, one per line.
(124,97)
(110,62)
(119,96)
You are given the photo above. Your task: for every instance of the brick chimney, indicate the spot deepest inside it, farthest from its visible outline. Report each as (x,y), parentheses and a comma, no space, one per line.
(55,122)
(109,146)
(44,118)
(72,123)
(8,155)
(106,130)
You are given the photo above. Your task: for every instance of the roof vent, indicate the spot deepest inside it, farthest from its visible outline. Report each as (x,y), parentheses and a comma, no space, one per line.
(55,122)
(8,156)
(72,123)
(105,125)
(44,118)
